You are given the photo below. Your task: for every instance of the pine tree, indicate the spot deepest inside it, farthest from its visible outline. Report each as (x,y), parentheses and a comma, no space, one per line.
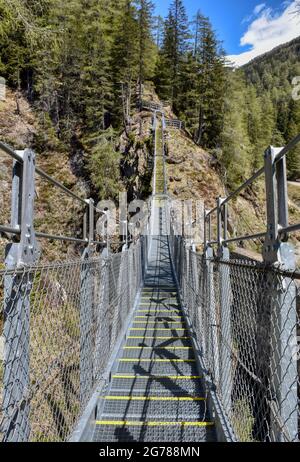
(104,163)
(210,60)
(124,64)
(293,158)
(145,12)
(19,35)
(235,154)
(187,103)
(172,55)
(158,29)
(95,82)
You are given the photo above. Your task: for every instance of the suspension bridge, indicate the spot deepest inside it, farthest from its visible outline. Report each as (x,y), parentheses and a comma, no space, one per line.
(158,342)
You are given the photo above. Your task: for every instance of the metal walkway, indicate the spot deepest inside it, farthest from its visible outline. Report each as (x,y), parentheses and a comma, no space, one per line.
(157,342)
(157,392)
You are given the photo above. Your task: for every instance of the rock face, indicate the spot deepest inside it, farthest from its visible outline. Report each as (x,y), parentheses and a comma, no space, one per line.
(17,130)
(172,161)
(136,149)
(55,213)
(190,174)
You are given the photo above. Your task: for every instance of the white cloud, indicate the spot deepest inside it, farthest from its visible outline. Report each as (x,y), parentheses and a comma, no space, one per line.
(259,8)
(267,31)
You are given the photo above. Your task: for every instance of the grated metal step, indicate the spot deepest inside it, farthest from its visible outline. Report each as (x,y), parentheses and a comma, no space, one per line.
(158,313)
(168,368)
(167,353)
(161,410)
(159,301)
(155,292)
(126,432)
(158,342)
(160,386)
(153,317)
(157,332)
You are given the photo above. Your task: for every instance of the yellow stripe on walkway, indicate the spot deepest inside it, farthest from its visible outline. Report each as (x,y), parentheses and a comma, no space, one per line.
(157,328)
(160,291)
(174,317)
(156,348)
(159,322)
(160,338)
(153,424)
(153,398)
(170,377)
(158,311)
(149,360)
(155,301)
(158,304)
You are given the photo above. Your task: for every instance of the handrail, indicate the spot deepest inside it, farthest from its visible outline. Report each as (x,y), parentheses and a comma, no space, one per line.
(222,202)
(60,238)
(257,174)
(287,148)
(151,105)
(164,154)
(9,230)
(87,203)
(245,238)
(15,155)
(176,123)
(247,183)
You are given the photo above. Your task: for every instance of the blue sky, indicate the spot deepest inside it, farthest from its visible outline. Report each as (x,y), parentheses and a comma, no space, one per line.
(247,28)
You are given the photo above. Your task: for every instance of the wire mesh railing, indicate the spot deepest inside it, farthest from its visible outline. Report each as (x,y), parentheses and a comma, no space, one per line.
(59,324)
(246,319)
(246,314)
(151,105)
(276,200)
(174,123)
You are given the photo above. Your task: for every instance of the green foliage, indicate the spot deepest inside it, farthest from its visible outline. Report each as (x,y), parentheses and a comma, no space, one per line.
(81,45)
(260,112)
(145,40)
(293,129)
(209,57)
(103,163)
(235,155)
(235,114)
(172,55)
(193,77)
(271,75)
(83,64)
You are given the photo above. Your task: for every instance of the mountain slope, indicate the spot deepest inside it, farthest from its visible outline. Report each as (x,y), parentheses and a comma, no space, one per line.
(274,77)
(278,57)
